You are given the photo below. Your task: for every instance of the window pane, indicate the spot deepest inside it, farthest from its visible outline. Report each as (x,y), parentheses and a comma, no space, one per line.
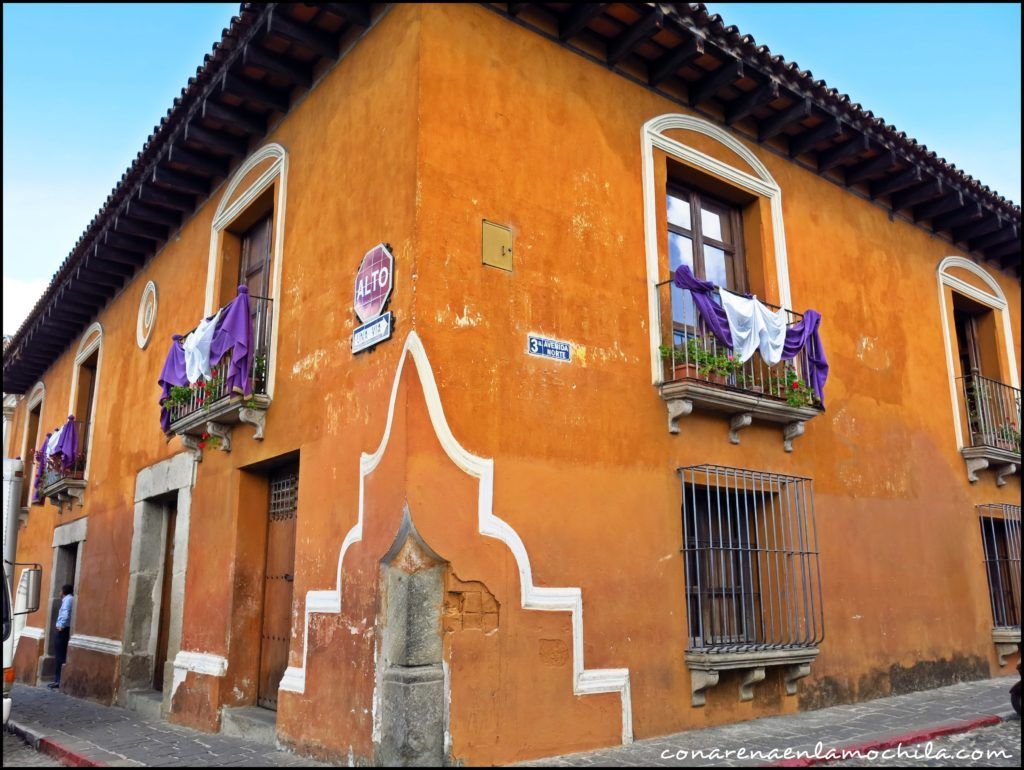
(711,224)
(679,212)
(680,252)
(715,268)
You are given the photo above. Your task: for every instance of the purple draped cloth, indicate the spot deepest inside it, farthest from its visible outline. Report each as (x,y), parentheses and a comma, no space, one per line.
(173,374)
(37,481)
(801,336)
(233,334)
(67,445)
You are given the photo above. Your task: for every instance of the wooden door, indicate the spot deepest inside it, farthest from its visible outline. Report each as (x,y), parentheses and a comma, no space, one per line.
(164,624)
(254,272)
(277,589)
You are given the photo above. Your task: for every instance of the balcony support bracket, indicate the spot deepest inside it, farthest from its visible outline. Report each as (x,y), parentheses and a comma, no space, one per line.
(191,443)
(677,408)
(255,417)
(751,677)
(221,431)
(1005,462)
(792,431)
(706,667)
(1006,641)
(1002,471)
(738,423)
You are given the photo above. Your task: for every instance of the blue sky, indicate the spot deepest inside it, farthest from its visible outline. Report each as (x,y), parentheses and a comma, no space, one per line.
(83,86)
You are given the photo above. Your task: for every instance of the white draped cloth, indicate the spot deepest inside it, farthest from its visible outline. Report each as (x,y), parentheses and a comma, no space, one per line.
(51,445)
(197,349)
(754,327)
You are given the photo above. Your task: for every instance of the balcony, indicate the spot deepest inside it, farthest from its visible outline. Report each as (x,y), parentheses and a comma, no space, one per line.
(700,372)
(992,411)
(208,410)
(64,485)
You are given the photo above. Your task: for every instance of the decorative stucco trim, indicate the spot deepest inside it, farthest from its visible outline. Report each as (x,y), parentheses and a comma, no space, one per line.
(36,397)
(204,663)
(72,532)
(142,334)
(96,644)
(32,632)
(228,210)
(533,597)
(92,341)
(996,300)
(763,184)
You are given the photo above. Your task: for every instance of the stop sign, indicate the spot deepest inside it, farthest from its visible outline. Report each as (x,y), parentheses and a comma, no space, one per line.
(374,282)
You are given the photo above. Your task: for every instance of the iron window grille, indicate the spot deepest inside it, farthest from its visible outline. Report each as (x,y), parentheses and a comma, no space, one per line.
(750,548)
(1000,535)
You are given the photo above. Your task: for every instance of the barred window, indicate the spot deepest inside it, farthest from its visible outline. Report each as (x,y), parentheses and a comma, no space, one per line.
(750,549)
(1000,535)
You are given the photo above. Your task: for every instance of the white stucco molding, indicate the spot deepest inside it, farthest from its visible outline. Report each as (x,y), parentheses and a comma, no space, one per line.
(533,597)
(31,632)
(96,644)
(204,663)
(760,183)
(996,300)
(36,397)
(230,207)
(92,341)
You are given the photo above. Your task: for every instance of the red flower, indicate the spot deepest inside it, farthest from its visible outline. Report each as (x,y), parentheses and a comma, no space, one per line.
(202,445)
(796,385)
(205,435)
(201,384)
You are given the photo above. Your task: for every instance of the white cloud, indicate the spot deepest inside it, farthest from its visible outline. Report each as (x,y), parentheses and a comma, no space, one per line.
(19,299)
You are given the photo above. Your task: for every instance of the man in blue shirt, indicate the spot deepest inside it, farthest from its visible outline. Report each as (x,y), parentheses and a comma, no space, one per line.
(63,626)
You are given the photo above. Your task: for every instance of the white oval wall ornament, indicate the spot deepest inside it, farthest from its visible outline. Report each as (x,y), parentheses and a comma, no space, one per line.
(147,316)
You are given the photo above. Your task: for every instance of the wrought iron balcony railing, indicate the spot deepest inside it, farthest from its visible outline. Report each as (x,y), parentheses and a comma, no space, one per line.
(993,413)
(691,352)
(208,398)
(62,483)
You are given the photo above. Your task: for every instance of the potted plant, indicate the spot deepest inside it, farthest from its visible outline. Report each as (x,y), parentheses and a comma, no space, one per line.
(1008,437)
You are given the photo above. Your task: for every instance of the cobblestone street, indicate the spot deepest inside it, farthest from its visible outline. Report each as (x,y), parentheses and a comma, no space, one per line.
(837,727)
(117,737)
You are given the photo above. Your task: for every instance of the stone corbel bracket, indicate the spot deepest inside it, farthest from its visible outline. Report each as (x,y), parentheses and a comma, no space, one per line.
(706,667)
(1003,462)
(1006,641)
(791,432)
(191,443)
(221,431)
(677,409)
(255,417)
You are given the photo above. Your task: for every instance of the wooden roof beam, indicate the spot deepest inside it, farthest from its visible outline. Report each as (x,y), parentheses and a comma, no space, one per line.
(930,190)
(308,37)
(216,141)
(167,199)
(144,213)
(1009,233)
(742,106)
(127,242)
(870,167)
(958,217)
(252,124)
(173,179)
(831,157)
(148,230)
(297,74)
(356,13)
(898,181)
(641,30)
(815,135)
(114,254)
(674,60)
(243,88)
(197,163)
(714,82)
(107,268)
(933,208)
(777,123)
(577,17)
(974,229)
(1003,250)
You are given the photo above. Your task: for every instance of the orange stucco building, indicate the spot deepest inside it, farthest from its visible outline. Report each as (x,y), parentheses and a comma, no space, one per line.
(451,545)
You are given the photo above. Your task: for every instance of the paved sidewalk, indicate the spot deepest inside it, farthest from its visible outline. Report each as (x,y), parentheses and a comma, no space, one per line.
(914,718)
(109,735)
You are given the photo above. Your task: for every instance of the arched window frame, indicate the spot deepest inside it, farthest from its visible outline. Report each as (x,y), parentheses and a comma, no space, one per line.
(761,183)
(996,300)
(36,397)
(232,205)
(92,341)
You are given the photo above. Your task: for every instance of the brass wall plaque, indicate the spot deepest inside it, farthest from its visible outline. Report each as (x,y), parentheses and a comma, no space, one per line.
(497,245)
